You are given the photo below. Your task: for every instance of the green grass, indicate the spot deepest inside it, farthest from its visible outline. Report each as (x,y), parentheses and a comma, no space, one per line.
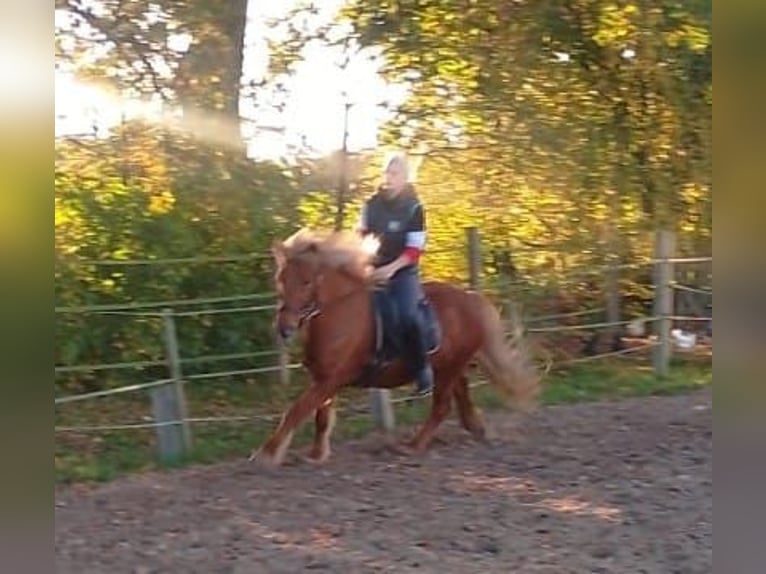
(106,455)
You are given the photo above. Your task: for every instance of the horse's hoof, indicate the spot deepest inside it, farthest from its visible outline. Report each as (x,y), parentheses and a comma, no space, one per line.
(480,437)
(316,459)
(399,448)
(489,443)
(407,448)
(263,460)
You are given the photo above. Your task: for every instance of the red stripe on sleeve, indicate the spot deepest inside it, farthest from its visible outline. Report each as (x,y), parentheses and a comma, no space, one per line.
(412,253)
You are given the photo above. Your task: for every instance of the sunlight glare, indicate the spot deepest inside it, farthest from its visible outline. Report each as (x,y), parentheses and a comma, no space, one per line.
(84,108)
(370,244)
(311,121)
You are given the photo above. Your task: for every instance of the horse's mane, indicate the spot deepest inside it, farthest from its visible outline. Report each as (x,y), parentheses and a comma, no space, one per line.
(338,250)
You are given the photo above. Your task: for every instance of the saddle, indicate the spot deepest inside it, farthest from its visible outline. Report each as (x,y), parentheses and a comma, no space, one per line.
(390,340)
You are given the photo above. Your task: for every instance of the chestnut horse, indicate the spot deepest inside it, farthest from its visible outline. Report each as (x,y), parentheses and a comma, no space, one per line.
(325,291)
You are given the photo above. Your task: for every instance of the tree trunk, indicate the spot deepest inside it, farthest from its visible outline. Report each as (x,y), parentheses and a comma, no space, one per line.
(209,76)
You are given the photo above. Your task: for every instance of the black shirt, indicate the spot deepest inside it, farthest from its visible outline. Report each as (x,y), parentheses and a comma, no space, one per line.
(398,222)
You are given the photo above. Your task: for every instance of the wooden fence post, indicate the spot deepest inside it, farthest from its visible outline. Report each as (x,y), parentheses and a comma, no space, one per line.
(474,258)
(382,409)
(664,250)
(612,288)
(169,401)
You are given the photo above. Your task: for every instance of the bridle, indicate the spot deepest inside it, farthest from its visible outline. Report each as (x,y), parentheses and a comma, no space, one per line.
(314,306)
(307,311)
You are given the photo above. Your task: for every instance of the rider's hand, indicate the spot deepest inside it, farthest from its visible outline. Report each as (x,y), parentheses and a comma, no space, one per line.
(382,274)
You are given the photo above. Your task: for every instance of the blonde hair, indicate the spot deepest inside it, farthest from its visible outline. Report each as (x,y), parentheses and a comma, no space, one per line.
(400,158)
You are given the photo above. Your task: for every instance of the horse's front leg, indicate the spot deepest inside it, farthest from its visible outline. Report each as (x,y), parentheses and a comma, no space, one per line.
(324,421)
(274,449)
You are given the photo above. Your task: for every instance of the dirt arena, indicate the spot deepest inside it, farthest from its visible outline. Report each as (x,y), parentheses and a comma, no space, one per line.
(622,487)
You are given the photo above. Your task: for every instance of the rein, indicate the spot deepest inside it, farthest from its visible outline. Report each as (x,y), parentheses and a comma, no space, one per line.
(315,307)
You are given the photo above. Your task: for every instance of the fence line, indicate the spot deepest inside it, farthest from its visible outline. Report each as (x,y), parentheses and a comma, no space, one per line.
(200,312)
(107,366)
(232,356)
(115,391)
(585,326)
(117,427)
(700,290)
(221,374)
(111,307)
(684,260)
(227,357)
(626,351)
(160,363)
(167,418)
(201,259)
(214,358)
(234,258)
(160,382)
(563,315)
(356,409)
(237,257)
(293,366)
(572,276)
(119,308)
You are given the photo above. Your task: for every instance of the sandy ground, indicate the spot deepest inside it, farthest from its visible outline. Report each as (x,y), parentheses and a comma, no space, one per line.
(623,487)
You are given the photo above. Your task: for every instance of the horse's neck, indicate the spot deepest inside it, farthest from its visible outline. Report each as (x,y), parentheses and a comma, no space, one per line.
(339,330)
(340,299)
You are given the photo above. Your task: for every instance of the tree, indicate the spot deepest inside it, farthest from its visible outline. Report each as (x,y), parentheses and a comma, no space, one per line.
(145,193)
(548,82)
(189,53)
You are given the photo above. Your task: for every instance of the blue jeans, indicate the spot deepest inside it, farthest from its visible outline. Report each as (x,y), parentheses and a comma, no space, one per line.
(406,290)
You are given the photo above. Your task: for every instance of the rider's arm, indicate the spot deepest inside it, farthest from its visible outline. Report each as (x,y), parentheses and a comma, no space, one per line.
(402,261)
(416,235)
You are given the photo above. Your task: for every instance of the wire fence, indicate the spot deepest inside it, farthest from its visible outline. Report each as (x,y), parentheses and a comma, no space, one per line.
(191,260)
(294,366)
(167,310)
(348,409)
(113,308)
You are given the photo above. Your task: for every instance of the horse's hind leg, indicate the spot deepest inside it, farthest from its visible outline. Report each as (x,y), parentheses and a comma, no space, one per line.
(470,418)
(324,421)
(440,409)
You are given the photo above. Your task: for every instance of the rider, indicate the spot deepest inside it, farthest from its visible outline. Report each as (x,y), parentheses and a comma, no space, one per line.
(397,217)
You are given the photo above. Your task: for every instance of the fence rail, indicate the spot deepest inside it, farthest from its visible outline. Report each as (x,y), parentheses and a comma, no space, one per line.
(699,290)
(350,409)
(543,318)
(114,307)
(199,259)
(159,363)
(172,423)
(115,391)
(587,326)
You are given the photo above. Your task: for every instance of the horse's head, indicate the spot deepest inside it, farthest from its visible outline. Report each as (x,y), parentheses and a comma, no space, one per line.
(315,269)
(297,283)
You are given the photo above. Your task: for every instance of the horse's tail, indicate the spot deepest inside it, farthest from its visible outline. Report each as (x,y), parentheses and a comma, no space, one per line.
(508,365)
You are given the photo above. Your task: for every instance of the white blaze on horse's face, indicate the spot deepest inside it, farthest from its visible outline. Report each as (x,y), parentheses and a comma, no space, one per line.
(297,292)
